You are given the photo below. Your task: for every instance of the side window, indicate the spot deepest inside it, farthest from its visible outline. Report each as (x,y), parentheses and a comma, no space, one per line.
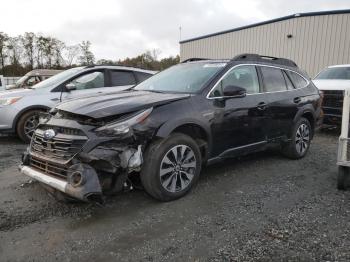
(288,82)
(122,78)
(142,76)
(299,82)
(90,80)
(32,81)
(273,79)
(242,76)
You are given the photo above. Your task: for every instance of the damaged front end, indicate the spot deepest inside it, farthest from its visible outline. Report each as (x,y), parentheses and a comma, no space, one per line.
(86,160)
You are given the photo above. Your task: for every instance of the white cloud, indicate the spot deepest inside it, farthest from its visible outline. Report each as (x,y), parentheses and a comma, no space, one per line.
(120,28)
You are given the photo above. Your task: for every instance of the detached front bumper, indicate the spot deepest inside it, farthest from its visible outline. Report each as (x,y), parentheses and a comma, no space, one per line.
(43,178)
(82,181)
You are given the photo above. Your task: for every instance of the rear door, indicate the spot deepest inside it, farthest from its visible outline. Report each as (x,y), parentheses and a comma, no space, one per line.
(283,101)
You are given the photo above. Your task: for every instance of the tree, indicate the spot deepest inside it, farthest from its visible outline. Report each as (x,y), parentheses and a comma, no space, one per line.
(105,62)
(15,50)
(87,57)
(70,54)
(40,47)
(3,44)
(25,52)
(28,41)
(58,47)
(168,62)
(48,50)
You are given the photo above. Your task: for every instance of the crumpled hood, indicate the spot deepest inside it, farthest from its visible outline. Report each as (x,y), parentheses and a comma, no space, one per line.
(334,84)
(106,105)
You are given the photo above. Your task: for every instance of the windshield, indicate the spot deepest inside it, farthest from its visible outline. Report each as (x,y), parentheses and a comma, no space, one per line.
(182,78)
(21,80)
(341,73)
(57,78)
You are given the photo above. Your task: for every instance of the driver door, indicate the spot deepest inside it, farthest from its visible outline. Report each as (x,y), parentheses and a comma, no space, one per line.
(238,123)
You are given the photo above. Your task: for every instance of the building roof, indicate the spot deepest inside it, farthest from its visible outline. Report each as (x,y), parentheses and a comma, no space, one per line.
(332,12)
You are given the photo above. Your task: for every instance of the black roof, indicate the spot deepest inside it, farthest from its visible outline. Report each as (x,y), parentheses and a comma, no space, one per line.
(332,12)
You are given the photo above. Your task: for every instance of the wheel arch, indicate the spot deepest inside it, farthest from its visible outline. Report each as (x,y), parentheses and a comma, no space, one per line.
(25,110)
(193,128)
(309,114)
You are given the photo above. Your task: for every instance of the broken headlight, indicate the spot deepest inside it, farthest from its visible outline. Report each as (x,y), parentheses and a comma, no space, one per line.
(123,126)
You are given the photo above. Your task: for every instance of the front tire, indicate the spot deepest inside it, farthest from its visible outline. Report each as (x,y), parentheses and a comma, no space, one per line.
(171,167)
(27,124)
(300,141)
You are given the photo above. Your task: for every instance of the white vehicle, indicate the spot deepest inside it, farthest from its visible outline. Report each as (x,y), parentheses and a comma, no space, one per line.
(2,83)
(332,81)
(33,77)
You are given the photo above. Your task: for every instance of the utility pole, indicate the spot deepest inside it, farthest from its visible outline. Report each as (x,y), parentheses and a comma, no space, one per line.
(180,29)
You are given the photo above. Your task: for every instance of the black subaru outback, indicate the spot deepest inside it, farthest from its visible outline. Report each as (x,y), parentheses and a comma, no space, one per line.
(165,129)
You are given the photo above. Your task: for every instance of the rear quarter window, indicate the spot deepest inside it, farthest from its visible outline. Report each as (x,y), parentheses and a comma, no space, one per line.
(288,81)
(298,81)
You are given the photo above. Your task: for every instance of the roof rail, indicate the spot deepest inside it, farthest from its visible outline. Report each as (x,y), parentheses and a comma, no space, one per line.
(265,59)
(194,59)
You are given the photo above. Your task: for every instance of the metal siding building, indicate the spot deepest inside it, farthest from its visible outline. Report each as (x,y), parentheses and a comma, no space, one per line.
(317,40)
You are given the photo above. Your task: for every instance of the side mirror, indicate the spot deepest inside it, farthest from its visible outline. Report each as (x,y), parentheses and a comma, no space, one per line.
(234,91)
(70,87)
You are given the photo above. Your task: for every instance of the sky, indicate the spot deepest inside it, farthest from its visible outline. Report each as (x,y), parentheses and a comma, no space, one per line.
(126,28)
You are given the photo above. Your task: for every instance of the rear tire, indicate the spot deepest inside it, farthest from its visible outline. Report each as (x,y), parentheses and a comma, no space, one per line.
(27,124)
(300,141)
(171,167)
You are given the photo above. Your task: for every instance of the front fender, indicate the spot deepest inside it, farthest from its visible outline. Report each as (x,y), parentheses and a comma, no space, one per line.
(167,128)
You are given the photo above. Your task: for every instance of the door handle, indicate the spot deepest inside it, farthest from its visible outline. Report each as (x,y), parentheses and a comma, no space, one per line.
(297,100)
(262,106)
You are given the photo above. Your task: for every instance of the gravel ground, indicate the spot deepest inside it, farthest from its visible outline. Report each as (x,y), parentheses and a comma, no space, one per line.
(262,207)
